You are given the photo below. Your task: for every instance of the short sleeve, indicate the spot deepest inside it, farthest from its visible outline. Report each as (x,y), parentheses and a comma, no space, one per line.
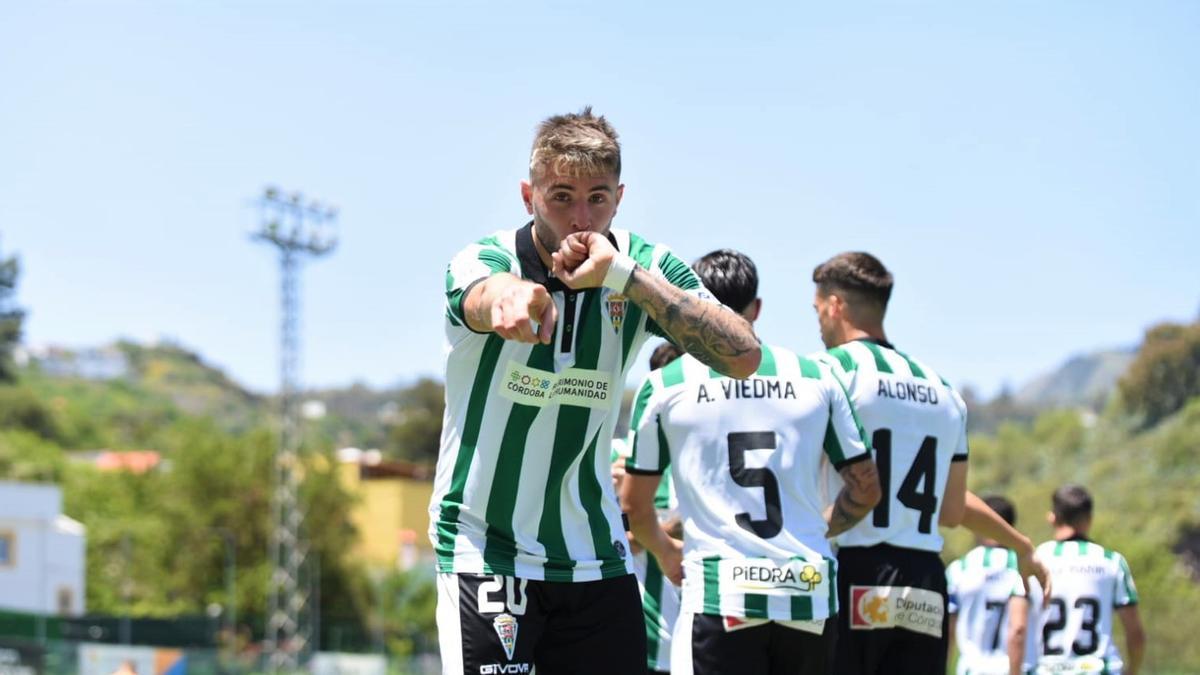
(845,441)
(1126,592)
(470,266)
(1016,583)
(650,451)
(961,451)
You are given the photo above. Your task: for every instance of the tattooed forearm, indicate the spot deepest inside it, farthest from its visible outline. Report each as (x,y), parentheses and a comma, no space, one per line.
(859,495)
(719,338)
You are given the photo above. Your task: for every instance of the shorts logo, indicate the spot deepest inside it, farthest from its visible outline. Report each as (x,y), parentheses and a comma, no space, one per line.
(619,547)
(506,628)
(616,310)
(915,609)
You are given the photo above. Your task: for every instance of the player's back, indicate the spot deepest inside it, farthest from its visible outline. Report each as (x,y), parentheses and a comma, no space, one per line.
(916,424)
(1073,631)
(980,585)
(746,456)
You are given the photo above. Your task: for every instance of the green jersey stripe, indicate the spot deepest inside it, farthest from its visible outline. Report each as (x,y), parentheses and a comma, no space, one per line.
(756,606)
(802,607)
(1058,547)
(809,369)
(766,367)
(833,447)
(843,358)
(664,447)
(570,435)
(987,556)
(448,525)
(500,550)
(678,273)
(916,370)
(672,373)
(662,496)
(652,605)
(712,583)
(495,260)
(881,363)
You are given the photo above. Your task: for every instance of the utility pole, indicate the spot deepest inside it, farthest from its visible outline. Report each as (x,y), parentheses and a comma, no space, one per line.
(296,229)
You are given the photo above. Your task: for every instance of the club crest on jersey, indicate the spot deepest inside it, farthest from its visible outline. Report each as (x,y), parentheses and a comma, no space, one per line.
(616,310)
(506,628)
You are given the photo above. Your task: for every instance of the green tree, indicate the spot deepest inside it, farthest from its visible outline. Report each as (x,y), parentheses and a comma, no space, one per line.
(416,433)
(11,317)
(1165,374)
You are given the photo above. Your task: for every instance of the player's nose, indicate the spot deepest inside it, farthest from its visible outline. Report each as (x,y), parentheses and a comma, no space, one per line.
(581,217)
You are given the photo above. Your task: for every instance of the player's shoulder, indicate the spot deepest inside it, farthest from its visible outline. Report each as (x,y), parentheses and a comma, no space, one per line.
(682,372)
(501,240)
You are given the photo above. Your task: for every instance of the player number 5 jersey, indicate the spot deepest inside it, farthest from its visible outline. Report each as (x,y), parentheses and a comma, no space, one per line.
(747,456)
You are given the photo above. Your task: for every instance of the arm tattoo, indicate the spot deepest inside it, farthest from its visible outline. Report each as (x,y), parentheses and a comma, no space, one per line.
(853,502)
(703,329)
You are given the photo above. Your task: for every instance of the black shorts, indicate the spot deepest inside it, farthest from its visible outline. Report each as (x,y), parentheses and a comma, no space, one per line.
(497,625)
(892,612)
(767,649)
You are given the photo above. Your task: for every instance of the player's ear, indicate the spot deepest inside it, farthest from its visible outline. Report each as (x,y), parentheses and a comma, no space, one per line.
(527,196)
(1050,518)
(753,310)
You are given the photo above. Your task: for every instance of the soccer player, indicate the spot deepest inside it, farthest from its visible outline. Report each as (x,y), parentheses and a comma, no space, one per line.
(759,579)
(542,323)
(1073,629)
(892,583)
(987,605)
(660,597)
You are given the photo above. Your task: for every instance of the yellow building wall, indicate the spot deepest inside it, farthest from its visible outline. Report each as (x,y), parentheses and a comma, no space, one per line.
(385,508)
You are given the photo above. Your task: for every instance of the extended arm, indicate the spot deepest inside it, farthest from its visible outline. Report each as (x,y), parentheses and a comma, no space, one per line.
(858,496)
(981,520)
(508,306)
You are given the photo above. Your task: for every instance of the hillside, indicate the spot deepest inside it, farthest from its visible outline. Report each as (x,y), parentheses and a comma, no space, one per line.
(1084,380)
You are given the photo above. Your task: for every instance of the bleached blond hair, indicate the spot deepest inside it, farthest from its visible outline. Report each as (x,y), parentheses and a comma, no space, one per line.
(580,145)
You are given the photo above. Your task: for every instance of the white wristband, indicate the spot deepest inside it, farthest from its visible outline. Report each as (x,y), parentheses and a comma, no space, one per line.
(619,271)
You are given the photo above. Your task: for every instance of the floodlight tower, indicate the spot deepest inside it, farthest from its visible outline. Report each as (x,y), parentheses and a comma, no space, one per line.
(296,229)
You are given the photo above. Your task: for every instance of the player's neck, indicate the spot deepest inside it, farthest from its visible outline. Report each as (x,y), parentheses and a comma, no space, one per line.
(851,333)
(1067,533)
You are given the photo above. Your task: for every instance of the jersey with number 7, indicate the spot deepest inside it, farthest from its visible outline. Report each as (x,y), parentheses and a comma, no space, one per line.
(917,425)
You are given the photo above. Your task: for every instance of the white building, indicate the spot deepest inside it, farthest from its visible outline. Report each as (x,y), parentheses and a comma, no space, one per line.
(41,551)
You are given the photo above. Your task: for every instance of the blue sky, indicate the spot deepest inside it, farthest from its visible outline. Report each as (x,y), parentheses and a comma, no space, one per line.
(1030,171)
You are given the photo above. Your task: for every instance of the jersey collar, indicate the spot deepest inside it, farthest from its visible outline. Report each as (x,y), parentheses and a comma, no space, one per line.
(875,341)
(532,267)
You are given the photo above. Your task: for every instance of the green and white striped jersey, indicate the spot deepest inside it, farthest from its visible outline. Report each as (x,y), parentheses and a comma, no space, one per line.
(917,426)
(660,607)
(523,484)
(980,585)
(660,597)
(1074,631)
(747,457)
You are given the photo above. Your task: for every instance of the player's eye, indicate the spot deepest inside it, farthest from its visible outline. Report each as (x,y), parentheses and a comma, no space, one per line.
(561,197)
(598,198)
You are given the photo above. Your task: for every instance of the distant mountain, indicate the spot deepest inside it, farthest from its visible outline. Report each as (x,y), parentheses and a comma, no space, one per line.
(1083,381)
